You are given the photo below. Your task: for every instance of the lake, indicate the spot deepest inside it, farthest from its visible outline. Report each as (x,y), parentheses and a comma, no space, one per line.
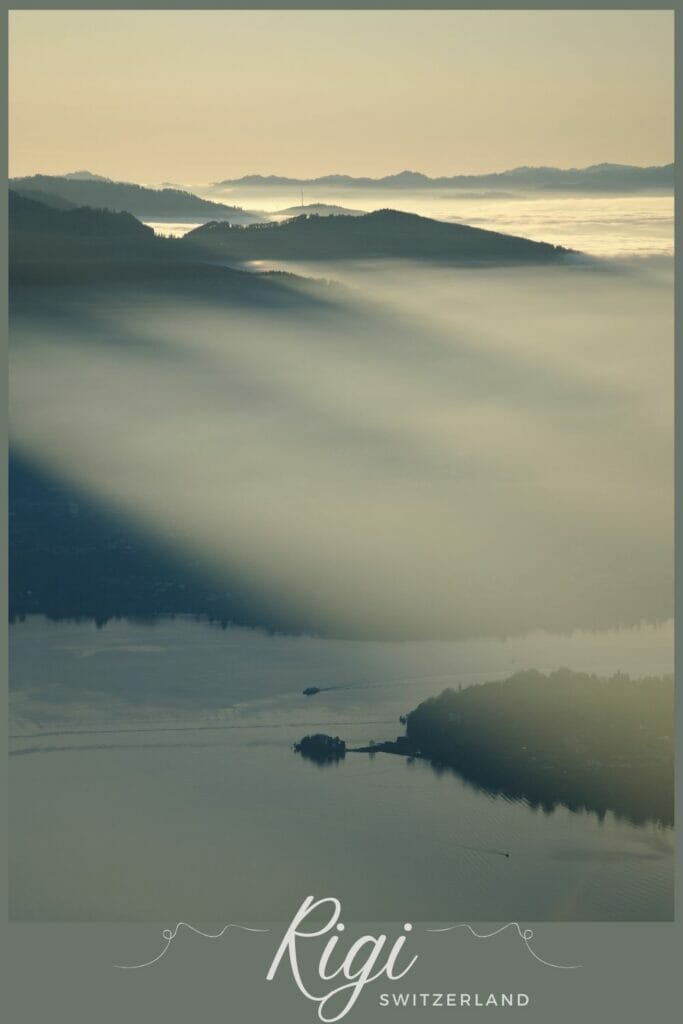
(153,779)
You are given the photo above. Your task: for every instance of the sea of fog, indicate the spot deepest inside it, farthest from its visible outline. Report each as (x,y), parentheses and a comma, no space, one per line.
(153,779)
(602,225)
(442,455)
(419,451)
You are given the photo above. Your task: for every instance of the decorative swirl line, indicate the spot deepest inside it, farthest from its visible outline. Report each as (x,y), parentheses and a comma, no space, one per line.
(525,934)
(169,935)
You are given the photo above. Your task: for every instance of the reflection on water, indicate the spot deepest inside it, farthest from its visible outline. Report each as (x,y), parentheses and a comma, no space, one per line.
(156,780)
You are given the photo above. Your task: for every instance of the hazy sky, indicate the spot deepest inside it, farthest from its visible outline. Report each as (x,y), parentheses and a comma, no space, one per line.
(193,96)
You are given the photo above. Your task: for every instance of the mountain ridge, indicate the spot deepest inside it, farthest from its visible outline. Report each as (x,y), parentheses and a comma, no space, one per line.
(127,197)
(379,234)
(610,176)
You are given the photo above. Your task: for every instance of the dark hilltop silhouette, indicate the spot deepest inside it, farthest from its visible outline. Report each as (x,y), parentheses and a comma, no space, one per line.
(83,246)
(123,196)
(568,738)
(39,232)
(382,234)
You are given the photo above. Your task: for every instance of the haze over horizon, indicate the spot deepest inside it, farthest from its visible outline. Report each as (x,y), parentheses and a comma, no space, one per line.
(268,173)
(212,95)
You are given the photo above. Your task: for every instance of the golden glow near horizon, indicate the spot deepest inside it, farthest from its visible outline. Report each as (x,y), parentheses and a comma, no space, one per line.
(195,96)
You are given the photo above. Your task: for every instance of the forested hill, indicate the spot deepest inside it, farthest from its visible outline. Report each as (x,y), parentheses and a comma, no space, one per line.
(122,196)
(38,232)
(569,737)
(384,233)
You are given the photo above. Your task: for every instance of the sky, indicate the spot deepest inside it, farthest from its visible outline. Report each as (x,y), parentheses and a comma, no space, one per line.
(198,96)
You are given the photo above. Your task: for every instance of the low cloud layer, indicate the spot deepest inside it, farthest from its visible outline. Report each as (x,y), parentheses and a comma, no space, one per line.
(448,453)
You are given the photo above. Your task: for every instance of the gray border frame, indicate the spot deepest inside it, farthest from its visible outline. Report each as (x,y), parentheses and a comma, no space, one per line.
(66,973)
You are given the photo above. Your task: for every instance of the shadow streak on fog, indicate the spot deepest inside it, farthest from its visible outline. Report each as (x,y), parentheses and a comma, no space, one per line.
(435,452)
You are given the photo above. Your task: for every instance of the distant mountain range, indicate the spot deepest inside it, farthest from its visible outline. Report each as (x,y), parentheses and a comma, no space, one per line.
(384,233)
(598,177)
(83,189)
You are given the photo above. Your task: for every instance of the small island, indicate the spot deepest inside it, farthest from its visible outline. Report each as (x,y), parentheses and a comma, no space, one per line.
(321,748)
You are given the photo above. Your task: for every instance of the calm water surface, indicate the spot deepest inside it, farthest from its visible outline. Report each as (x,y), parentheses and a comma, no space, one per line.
(153,779)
